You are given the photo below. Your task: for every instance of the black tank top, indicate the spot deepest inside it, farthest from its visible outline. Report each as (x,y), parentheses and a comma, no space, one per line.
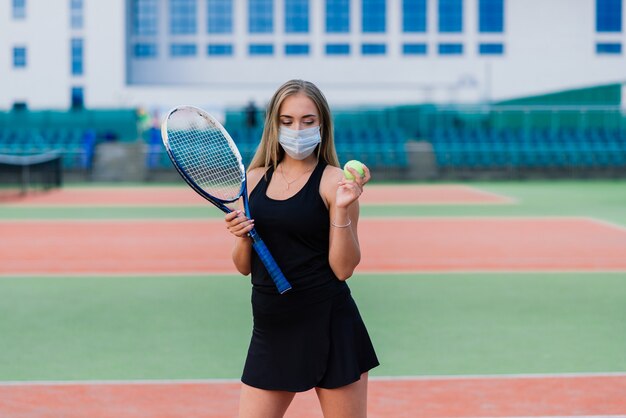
(296,232)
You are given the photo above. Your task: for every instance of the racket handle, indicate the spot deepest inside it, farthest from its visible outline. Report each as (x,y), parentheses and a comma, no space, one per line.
(272,268)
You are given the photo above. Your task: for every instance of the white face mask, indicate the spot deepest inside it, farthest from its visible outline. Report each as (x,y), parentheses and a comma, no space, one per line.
(299,144)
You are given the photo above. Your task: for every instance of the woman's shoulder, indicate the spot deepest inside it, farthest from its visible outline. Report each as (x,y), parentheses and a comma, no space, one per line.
(254,176)
(330,181)
(332,174)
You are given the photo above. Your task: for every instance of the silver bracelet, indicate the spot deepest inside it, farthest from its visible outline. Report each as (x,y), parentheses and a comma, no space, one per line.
(342,226)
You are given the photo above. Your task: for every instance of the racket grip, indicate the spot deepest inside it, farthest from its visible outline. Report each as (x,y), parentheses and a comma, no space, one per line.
(272,268)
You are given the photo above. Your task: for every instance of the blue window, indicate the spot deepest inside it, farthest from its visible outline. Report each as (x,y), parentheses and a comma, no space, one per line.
(145,17)
(414,49)
(220,16)
(337,49)
(19,57)
(183,17)
(414,16)
(609,15)
(77,97)
(608,48)
(450,16)
(260,16)
(220,49)
(77,56)
(491,49)
(297,49)
(373,49)
(19,9)
(296,16)
(145,50)
(491,16)
(374,16)
(337,16)
(261,49)
(183,50)
(76,14)
(450,49)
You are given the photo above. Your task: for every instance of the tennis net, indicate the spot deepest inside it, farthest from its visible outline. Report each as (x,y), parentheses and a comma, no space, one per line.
(21,173)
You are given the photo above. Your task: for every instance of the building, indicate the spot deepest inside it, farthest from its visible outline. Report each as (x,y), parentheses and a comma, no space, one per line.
(159,53)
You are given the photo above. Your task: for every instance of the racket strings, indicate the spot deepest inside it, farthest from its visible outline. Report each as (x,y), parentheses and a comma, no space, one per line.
(208,158)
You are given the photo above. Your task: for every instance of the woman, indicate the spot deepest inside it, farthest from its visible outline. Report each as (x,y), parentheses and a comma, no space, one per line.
(307,214)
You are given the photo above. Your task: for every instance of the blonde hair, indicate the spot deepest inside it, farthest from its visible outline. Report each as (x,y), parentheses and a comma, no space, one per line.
(269,152)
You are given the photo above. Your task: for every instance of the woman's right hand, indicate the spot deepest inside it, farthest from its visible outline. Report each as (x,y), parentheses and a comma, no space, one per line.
(238,224)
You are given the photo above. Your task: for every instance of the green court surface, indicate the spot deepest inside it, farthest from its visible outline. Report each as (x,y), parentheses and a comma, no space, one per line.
(198,327)
(100,328)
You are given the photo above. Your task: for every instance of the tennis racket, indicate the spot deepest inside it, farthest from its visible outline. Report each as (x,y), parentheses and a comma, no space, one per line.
(208,160)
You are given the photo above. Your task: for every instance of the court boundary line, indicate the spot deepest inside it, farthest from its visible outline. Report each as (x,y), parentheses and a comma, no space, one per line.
(609,224)
(507,376)
(511,200)
(402,218)
(211,275)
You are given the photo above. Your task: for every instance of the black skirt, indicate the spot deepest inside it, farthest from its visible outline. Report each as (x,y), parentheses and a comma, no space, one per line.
(298,344)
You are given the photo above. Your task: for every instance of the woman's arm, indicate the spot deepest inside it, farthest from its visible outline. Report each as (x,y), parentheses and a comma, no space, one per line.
(342,198)
(239,225)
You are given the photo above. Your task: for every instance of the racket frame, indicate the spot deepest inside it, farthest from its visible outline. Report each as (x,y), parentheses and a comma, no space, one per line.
(279,279)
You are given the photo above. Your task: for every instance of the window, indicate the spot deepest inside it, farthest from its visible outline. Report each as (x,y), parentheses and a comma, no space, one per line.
(260,16)
(145,17)
(608,15)
(450,16)
(373,49)
(19,9)
(76,14)
(19,57)
(374,16)
(220,49)
(297,49)
(414,49)
(337,16)
(77,97)
(414,16)
(183,50)
(145,50)
(608,48)
(337,49)
(220,16)
(183,17)
(450,49)
(491,49)
(296,16)
(491,16)
(261,49)
(77,56)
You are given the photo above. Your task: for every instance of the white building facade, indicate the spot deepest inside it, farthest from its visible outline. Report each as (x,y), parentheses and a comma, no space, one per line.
(159,53)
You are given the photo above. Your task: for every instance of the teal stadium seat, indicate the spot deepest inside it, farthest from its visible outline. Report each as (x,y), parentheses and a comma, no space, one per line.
(72,133)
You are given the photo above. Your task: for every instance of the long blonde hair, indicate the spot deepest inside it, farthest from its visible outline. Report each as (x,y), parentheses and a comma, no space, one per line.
(269,152)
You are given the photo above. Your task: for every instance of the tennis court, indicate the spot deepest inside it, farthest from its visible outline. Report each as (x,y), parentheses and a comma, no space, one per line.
(501,299)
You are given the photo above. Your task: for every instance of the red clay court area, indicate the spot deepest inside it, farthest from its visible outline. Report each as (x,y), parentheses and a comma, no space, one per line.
(389,245)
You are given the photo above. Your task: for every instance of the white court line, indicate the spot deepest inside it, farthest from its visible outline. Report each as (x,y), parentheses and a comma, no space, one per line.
(391,218)
(210,275)
(508,199)
(606,223)
(371,378)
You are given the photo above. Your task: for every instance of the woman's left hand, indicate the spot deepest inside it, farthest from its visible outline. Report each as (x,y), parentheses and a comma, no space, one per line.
(350,190)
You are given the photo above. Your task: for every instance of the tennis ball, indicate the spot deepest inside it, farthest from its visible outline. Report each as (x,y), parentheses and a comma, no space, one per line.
(356,165)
